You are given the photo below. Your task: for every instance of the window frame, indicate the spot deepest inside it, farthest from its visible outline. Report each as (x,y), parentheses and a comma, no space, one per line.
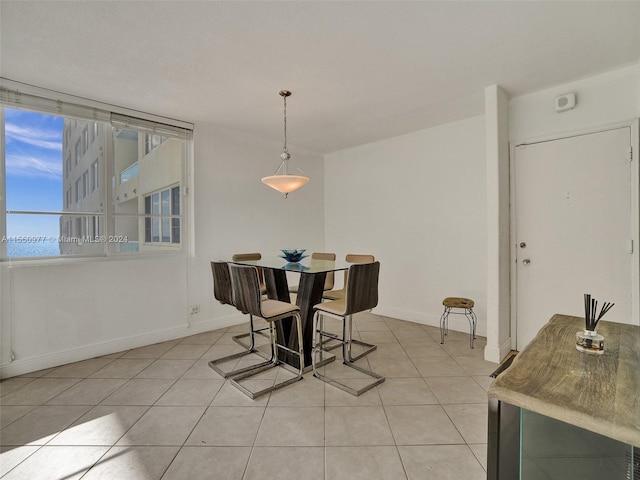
(17,95)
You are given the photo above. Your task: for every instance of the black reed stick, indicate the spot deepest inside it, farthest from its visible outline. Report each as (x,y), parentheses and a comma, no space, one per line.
(591,309)
(587,311)
(605,308)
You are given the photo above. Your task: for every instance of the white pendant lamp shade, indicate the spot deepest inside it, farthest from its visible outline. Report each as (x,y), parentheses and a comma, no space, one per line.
(281,180)
(285,183)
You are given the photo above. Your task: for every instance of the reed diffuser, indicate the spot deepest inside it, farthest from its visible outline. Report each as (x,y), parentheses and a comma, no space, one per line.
(589,340)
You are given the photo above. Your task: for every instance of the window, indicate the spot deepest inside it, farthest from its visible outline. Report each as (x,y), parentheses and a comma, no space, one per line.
(152,142)
(95,226)
(85,183)
(54,188)
(85,140)
(95,176)
(162,225)
(78,190)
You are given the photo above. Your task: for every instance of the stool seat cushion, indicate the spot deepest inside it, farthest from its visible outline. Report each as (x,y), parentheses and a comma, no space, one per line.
(458,302)
(271,309)
(336,307)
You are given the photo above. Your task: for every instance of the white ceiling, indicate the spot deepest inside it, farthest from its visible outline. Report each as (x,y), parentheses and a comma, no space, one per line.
(359,71)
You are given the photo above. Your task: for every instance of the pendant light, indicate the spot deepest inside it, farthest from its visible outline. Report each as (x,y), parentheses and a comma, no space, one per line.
(282,180)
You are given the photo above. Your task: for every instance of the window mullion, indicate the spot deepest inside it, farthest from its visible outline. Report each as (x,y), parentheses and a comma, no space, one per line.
(108,177)
(3,201)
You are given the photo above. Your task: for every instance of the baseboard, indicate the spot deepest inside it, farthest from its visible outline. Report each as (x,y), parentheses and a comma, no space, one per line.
(456,324)
(496,354)
(85,352)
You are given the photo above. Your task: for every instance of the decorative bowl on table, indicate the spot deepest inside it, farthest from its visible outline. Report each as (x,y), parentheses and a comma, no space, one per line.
(293,255)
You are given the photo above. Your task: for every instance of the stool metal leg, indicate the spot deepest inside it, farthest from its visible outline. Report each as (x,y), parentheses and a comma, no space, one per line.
(368,347)
(467,312)
(444,324)
(274,363)
(347,360)
(473,321)
(252,334)
(214,364)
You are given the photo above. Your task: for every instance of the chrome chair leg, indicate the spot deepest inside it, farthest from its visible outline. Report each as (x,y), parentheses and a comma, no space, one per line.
(368,347)
(274,362)
(347,360)
(214,364)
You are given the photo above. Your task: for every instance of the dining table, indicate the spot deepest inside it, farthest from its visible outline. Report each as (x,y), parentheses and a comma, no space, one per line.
(313,273)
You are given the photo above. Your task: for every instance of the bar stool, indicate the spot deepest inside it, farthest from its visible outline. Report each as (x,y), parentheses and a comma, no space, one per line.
(222,291)
(464,304)
(361,295)
(338,295)
(247,298)
(349,258)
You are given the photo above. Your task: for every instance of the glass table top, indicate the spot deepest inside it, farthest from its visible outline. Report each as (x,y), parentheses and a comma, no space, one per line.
(306,265)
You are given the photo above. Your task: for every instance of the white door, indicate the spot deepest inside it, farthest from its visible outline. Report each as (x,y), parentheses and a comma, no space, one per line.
(573,228)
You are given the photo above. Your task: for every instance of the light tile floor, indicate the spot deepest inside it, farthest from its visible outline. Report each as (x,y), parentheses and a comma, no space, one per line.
(160,412)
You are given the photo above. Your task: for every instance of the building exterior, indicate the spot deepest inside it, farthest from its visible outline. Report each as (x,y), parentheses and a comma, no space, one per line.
(144,214)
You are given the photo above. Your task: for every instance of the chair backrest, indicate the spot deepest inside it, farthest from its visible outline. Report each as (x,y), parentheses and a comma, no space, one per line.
(356,258)
(240,257)
(359,258)
(362,287)
(243,257)
(330,278)
(246,289)
(222,282)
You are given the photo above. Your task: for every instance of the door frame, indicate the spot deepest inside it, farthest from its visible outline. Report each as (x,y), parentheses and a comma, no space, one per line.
(634,126)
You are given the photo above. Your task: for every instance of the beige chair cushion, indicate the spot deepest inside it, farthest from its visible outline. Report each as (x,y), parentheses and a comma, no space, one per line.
(458,302)
(335,294)
(336,307)
(272,309)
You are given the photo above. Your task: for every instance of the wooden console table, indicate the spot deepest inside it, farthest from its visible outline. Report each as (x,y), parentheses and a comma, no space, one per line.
(597,393)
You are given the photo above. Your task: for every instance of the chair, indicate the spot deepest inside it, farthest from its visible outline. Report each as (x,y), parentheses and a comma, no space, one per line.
(350,258)
(329,279)
(361,295)
(247,298)
(222,291)
(464,304)
(340,294)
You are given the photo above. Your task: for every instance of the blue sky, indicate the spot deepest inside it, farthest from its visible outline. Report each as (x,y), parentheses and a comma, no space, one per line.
(33,164)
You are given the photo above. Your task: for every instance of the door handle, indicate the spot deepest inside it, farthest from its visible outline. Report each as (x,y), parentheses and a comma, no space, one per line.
(526,261)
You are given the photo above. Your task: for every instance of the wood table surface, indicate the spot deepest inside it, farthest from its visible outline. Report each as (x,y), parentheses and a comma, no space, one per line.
(600,393)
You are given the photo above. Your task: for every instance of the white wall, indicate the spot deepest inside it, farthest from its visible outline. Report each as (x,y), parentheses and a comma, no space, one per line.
(55,313)
(418,203)
(61,312)
(498,231)
(235,212)
(601,100)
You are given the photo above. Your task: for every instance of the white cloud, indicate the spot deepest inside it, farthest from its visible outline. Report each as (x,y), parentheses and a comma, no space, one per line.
(49,139)
(28,166)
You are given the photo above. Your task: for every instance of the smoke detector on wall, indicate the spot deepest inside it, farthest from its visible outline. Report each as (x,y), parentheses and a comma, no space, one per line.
(565,102)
